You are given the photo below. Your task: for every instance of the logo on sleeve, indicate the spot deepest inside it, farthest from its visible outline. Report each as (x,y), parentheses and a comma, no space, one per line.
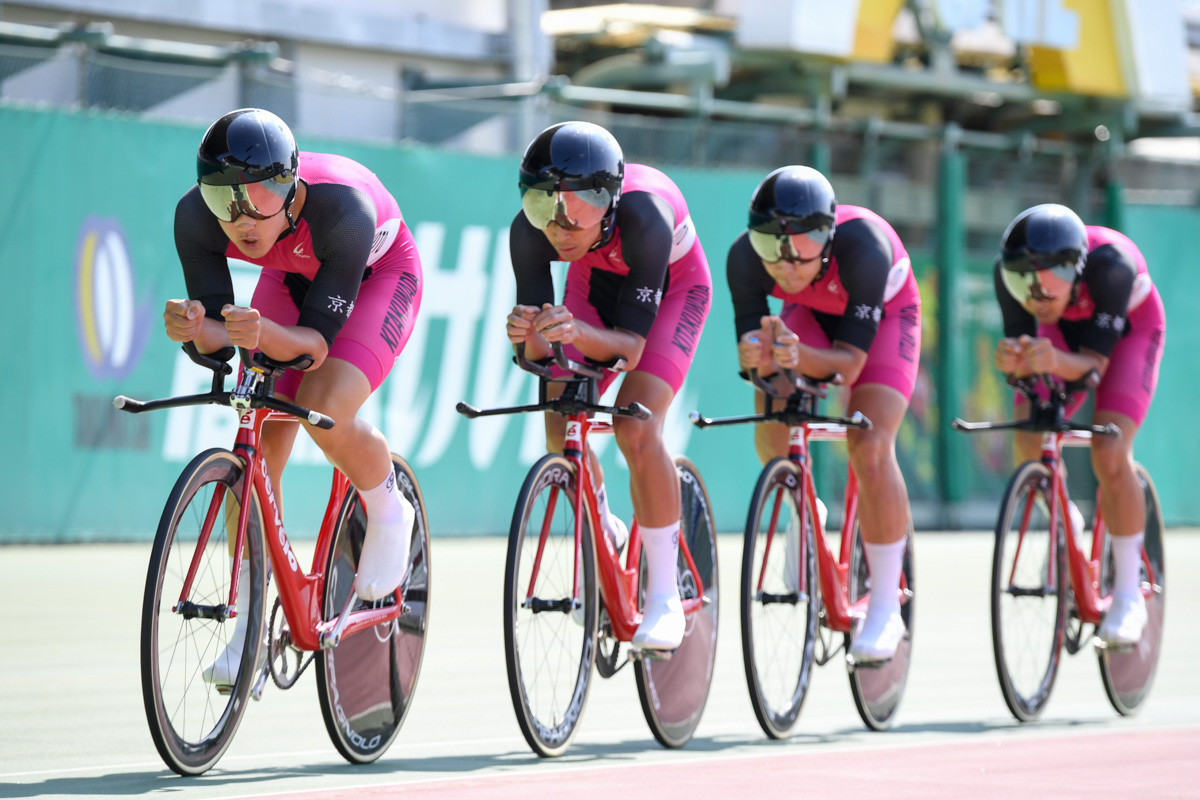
(299,250)
(339,305)
(645,294)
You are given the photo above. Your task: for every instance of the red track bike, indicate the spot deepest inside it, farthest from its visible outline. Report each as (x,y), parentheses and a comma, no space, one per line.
(797,595)
(1045,589)
(569,602)
(222,511)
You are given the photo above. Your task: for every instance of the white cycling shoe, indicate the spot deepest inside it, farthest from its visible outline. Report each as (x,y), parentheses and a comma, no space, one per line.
(1124,623)
(663,624)
(384,558)
(875,642)
(222,672)
(618,532)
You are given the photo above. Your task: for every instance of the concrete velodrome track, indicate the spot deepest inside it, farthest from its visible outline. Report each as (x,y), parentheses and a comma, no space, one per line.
(72,723)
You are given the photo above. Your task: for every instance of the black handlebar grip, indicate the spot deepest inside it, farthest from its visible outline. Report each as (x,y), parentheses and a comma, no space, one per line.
(638,410)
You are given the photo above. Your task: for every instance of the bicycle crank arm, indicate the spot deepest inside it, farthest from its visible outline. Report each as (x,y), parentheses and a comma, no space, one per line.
(330,640)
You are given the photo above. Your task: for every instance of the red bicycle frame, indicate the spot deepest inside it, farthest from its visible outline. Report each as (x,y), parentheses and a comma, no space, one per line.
(300,593)
(833,574)
(1084,571)
(618,585)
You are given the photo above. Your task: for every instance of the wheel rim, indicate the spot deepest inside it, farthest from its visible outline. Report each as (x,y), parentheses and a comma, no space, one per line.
(878,690)
(778,632)
(367,682)
(550,652)
(1028,607)
(673,692)
(191,722)
(1128,674)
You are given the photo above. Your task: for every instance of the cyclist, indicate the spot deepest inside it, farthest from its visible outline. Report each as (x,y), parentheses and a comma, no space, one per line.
(1076,298)
(850,306)
(340,281)
(638,291)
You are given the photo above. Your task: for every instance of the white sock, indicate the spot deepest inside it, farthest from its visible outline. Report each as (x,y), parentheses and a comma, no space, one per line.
(661,546)
(384,557)
(1127,564)
(242,620)
(884,562)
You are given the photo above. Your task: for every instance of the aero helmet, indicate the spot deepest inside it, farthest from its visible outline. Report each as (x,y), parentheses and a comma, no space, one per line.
(247,165)
(1043,252)
(793,216)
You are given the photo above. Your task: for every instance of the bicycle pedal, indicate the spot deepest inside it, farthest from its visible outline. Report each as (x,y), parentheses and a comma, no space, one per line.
(1102,646)
(867,663)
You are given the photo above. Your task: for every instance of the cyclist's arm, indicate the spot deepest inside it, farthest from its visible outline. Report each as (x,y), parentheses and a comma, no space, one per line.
(201,245)
(530,253)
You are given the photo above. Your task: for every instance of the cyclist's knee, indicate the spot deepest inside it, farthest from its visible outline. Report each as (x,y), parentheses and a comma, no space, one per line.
(1110,461)
(636,438)
(872,454)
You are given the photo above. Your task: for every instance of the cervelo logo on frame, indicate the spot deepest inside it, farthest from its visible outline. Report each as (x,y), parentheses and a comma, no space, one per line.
(113,324)
(573,433)
(794,438)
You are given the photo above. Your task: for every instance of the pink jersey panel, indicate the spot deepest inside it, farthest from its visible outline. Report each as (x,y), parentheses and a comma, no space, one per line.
(671,344)
(1082,306)
(895,353)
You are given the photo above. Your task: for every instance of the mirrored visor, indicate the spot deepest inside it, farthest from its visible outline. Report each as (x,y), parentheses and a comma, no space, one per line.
(797,247)
(1043,284)
(261,200)
(571,210)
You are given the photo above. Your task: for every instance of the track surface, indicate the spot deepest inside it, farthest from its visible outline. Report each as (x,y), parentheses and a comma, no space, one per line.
(71,719)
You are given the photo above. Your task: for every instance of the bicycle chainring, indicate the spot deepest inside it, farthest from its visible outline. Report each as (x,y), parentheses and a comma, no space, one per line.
(286,662)
(608,649)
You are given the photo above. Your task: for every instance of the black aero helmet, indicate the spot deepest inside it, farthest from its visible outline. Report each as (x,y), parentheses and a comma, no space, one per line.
(791,201)
(1043,251)
(578,158)
(247,165)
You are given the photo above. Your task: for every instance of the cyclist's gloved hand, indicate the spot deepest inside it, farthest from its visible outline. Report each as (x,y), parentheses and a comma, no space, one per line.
(244,325)
(183,319)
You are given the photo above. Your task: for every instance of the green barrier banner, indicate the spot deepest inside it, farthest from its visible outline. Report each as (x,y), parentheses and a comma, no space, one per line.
(89,257)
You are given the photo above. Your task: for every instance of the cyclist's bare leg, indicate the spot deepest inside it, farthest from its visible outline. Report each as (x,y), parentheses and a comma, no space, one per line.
(1121,499)
(1124,508)
(882,516)
(873,456)
(339,389)
(654,489)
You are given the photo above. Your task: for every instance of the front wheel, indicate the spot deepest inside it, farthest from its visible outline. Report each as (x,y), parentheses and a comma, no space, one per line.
(877,689)
(673,691)
(1128,674)
(551,607)
(780,599)
(366,683)
(192,721)
(1029,592)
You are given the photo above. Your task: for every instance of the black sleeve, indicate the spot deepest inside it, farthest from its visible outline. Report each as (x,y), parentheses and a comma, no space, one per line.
(749,286)
(864,258)
(1017,321)
(531,253)
(647,226)
(201,245)
(1109,275)
(341,220)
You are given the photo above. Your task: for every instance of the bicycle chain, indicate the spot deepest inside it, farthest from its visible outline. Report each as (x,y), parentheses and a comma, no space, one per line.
(283,681)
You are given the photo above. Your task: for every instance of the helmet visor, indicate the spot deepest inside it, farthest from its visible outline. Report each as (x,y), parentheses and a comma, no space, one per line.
(571,210)
(261,200)
(796,247)
(1049,283)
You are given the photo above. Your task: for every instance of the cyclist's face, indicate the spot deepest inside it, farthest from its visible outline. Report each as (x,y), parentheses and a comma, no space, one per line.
(572,245)
(1050,310)
(793,276)
(255,237)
